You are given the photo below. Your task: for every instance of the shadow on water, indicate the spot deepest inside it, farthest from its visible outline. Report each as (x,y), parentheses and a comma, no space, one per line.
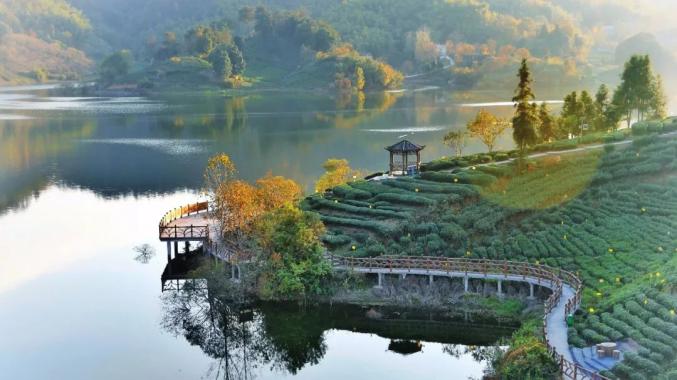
(244,337)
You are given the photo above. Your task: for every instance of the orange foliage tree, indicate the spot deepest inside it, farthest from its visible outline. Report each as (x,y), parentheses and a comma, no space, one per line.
(238,204)
(276,191)
(487,128)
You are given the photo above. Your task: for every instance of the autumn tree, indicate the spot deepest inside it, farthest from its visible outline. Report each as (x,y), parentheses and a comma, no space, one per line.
(276,191)
(219,172)
(457,141)
(337,172)
(237,204)
(525,120)
(240,205)
(487,127)
(425,50)
(359,79)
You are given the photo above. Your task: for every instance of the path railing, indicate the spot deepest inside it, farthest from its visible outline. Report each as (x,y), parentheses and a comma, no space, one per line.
(550,277)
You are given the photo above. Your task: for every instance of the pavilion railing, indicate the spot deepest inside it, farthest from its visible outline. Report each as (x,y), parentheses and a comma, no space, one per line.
(549,276)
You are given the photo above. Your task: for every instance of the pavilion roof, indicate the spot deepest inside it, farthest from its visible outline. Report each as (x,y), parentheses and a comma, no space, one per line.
(404,146)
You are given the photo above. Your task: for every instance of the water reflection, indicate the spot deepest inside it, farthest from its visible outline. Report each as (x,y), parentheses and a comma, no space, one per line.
(117,146)
(251,339)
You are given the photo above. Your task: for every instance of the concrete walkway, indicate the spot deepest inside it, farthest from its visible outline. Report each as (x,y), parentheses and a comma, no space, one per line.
(556,333)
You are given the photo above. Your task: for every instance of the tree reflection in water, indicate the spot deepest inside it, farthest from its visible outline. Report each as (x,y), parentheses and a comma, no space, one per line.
(247,339)
(217,315)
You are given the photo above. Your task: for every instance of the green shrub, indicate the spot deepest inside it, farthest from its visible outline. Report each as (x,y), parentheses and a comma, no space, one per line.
(415,200)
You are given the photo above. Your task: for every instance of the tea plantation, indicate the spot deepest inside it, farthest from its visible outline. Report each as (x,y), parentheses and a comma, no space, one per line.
(608,214)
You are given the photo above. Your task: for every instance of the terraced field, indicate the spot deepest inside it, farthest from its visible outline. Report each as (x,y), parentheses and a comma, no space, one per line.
(609,214)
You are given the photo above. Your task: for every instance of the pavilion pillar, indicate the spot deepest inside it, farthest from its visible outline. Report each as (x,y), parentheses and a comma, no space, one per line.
(500,288)
(403,276)
(531,291)
(186,247)
(391,163)
(418,160)
(465,283)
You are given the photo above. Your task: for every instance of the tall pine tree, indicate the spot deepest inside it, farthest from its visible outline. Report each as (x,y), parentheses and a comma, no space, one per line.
(525,120)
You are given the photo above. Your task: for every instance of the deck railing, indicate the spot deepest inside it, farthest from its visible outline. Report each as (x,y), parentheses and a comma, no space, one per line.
(549,276)
(169,232)
(182,211)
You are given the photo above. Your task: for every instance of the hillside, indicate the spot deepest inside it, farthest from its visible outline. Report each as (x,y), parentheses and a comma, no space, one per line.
(42,39)
(604,213)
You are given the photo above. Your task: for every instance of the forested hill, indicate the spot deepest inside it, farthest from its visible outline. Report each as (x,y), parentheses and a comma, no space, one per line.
(40,38)
(64,37)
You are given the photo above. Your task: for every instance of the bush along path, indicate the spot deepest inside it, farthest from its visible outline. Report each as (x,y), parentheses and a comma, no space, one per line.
(607,215)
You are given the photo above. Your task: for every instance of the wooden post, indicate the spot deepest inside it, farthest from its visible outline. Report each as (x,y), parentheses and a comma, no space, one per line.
(531,291)
(465,283)
(176,247)
(430,280)
(169,251)
(500,288)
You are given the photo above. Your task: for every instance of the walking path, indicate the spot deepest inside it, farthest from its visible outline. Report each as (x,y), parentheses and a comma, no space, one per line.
(560,152)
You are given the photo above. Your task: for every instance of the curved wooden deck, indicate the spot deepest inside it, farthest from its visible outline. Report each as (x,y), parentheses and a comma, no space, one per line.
(566,291)
(187,223)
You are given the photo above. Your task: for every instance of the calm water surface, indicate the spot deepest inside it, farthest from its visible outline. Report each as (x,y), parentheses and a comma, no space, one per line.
(83,181)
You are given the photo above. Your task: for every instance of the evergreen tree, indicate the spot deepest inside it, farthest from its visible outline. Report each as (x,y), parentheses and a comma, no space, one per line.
(658,100)
(525,120)
(587,110)
(236,59)
(220,61)
(546,125)
(640,90)
(572,114)
(600,122)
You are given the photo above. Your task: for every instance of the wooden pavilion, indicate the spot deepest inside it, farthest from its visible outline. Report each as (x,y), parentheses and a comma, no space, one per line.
(405,157)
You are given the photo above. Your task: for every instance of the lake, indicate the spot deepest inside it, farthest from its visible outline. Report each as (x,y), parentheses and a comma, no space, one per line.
(84,180)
